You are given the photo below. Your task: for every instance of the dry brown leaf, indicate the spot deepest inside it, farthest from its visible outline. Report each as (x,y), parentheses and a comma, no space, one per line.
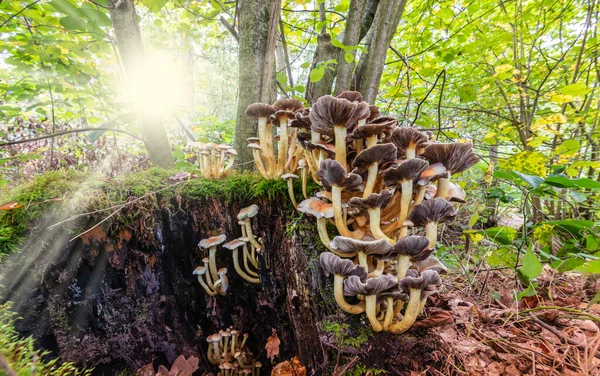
(147,370)
(435,319)
(184,367)
(272,345)
(289,368)
(11,205)
(162,371)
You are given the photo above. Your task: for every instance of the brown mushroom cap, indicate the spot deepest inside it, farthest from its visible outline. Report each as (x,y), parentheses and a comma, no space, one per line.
(434,172)
(212,241)
(260,110)
(374,113)
(352,96)
(289,175)
(329,111)
(372,201)
(252,140)
(383,124)
(427,280)
(248,212)
(354,286)
(343,244)
(254,146)
(333,264)
(286,107)
(302,120)
(235,243)
(410,169)
(432,263)
(456,157)
(417,247)
(200,270)
(407,137)
(316,207)
(437,210)
(380,154)
(333,173)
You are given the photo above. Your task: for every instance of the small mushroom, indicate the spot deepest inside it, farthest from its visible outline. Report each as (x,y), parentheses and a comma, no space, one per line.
(334,178)
(341,269)
(244,215)
(200,271)
(409,142)
(413,286)
(370,288)
(410,249)
(223,281)
(456,157)
(289,178)
(373,204)
(256,151)
(302,166)
(262,112)
(211,244)
(233,247)
(402,176)
(322,211)
(369,161)
(363,248)
(429,214)
(284,110)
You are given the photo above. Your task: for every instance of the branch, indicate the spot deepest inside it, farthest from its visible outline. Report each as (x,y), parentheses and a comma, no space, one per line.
(187,131)
(230,28)
(19,12)
(68,132)
(443,72)
(101,5)
(560,335)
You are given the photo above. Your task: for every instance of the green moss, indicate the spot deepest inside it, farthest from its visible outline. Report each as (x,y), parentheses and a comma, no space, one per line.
(360,370)
(351,338)
(20,353)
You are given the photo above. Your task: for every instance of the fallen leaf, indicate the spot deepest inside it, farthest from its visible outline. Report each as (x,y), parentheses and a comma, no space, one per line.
(435,319)
(289,368)
(10,206)
(272,345)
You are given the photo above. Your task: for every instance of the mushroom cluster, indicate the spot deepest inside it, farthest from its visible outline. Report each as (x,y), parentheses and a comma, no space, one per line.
(275,156)
(382,182)
(215,161)
(214,280)
(227,350)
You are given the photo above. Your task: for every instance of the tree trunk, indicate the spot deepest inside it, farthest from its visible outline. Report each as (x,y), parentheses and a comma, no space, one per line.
(325,51)
(370,67)
(256,64)
(345,70)
(131,50)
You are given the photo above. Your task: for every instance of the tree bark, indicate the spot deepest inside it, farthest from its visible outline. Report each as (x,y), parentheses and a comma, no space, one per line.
(256,64)
(370,67)
(325,51)
(352,33)
(131,51)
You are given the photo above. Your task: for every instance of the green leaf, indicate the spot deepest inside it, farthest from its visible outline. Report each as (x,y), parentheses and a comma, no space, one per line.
(317,74)
(586,183)
(568,147)
(300,88)
(530,265)
(502,234)
(589,267)
(65,7)
(349,57)
(154,6)
(594,300)
(576,89)
(592,242)
(467,93)
(96,16)
(532,180)
(559,182)
(305,65)
(572,226)
(73,23)
(529,291)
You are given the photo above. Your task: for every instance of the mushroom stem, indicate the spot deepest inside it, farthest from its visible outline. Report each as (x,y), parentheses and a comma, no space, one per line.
(205,286)
(371,309)
(226,346)
(443,187)
(340,145)
(431,233)
(216,351)
(412,310)
(283,145)
(405,198)
(378,270)
(323,235)
(259,164)
(389,313)
(236,265)
(249,234)
(290,184)
(398,305)
(246,256)
(212,263)
(338,291)
(291,151)
(234,342)
(411,152)
(371,141)
(419,196)
(304,175)
(338,215)
(403,265)
(262,129)
(371,178)
(314,138)
(375,225)
(270,148)
(362,260)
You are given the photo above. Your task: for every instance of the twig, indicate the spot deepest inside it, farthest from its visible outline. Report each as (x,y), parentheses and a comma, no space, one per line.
(427,95)
(564,309)
(68,132)
(560,335)
(19,12)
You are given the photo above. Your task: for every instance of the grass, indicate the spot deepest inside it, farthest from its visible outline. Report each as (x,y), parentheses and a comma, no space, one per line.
(19,355)
(70,192)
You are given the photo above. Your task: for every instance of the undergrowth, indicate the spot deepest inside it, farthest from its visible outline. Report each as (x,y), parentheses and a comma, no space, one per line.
(349,338)
(18,355)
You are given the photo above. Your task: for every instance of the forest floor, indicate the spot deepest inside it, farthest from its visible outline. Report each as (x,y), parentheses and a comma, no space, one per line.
(554,332)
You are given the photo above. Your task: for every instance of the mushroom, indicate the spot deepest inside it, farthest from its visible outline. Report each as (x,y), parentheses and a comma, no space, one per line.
(200,271)
(233,247)
(432,263)
(223,282)
(289,177)
(456,157)
(371,130)
(363,248)
(373,204)
(213,341)
(258,366)
(341,269)
(256,150)
(244,341)
(334,179)
(410,249)
(409,142)
(231,154)
(369,161)
(370,288)
(413,286)
(429,214)
(284,109)
(211,244)
(403,176)
(334,117)
(304,174)
(244,215)
(352,96)
(262,112)
(322,211)
(395,299)
(209,281)
(432,173)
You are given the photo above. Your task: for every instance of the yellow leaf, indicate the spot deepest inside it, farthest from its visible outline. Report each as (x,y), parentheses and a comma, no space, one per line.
(476,238)
(561,98)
